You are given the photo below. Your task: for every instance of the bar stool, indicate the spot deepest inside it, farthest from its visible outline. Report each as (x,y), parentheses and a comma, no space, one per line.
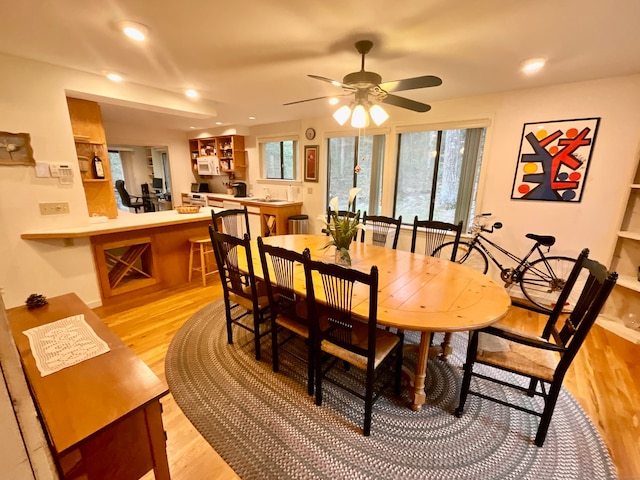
(202,247)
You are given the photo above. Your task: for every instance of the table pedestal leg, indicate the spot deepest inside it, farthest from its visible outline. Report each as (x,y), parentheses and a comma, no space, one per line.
(418,395)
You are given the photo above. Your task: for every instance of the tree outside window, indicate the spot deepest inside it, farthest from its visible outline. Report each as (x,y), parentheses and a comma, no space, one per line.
(356,162)
(279,159)
(437,176)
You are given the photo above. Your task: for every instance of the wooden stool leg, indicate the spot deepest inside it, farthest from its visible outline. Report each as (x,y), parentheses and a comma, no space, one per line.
(191,260)
(203,266)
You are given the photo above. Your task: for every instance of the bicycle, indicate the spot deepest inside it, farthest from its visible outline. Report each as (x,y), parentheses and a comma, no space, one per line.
(541,280)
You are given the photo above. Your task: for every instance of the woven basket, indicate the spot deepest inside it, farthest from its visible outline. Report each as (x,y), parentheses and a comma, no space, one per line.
(188,209)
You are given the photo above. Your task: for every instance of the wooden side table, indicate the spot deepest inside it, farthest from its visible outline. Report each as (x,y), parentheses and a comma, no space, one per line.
(103,416)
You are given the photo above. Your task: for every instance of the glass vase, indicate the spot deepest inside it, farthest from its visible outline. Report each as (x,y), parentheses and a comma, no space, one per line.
(341,259)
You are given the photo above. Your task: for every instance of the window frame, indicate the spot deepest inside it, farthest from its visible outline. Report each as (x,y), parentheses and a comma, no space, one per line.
(261,143)
(475,162)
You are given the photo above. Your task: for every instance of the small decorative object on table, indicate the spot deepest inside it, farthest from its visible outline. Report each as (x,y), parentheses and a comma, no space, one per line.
(188,209)
(342,229)
(36,300)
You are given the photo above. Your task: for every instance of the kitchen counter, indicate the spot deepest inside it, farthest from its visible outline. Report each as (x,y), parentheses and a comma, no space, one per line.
(268,217)
(124,223)
(138,254)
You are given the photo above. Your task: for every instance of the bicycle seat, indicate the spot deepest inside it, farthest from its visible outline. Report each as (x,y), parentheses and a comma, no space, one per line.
(546,240)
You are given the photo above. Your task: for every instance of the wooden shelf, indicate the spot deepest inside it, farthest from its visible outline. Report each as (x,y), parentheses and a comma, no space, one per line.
(94,180)
(630,235)
(627,281)
(226,149)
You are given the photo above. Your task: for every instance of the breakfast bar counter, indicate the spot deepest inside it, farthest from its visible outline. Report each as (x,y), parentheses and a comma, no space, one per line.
(137,254)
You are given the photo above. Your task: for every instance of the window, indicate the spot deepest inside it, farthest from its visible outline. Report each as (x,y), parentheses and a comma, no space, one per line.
(356,162)
(279,159)
(438,173)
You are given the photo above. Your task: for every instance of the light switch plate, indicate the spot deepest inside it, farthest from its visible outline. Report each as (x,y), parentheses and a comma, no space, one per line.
(54,208)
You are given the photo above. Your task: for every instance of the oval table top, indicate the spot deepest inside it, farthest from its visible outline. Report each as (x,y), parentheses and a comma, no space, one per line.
(416,292)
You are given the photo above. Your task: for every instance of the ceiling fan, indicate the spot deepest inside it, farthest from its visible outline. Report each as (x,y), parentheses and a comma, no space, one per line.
(364,84)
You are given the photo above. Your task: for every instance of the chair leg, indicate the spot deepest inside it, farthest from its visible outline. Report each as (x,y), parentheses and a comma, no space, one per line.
(274,345)
(532,387)
(256,332)
(549,406)
(468,369)
(317,353)
(398,373)
(368,402)
(227,307)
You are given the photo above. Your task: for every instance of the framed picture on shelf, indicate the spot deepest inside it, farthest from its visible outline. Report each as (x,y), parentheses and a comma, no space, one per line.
(15,149)
(311,163)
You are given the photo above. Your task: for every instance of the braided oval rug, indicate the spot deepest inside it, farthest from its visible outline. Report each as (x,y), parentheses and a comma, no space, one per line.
(265,426)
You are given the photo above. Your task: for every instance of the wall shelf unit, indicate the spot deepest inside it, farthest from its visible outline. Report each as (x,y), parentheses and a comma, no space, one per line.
(228,149)
(90,140)
(625,298)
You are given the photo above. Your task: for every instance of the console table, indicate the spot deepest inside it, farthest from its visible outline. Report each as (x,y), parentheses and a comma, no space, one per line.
(102,416)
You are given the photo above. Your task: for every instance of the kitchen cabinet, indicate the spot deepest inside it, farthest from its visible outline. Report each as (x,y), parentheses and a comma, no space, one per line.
(227,150)
(625,298)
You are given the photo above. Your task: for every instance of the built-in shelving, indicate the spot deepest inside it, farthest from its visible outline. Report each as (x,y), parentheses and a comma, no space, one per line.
(625,298)
(228,150)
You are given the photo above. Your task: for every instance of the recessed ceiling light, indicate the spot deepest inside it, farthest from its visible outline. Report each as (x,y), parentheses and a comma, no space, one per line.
(335,83)
(252,118)
(333,101)
(191,93)
(192,128)
(134,30)
(533,65)
(218,123)
(114,77)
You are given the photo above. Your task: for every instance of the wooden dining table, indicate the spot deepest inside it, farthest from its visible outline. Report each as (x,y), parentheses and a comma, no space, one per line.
(416,292)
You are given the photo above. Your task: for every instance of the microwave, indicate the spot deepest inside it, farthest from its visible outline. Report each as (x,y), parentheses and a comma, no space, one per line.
(208,166)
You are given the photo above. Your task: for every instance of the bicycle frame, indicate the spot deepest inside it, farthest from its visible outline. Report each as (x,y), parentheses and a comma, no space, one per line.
(523,263)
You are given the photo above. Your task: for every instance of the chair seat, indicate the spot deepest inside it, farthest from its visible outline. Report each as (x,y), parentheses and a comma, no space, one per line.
(294,325)
(247,303)
(501,352)
(385,342)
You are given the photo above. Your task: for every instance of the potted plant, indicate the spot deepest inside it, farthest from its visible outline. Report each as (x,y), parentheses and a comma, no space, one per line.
(342,229)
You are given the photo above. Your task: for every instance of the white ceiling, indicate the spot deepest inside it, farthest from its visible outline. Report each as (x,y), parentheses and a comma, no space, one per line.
(251,56)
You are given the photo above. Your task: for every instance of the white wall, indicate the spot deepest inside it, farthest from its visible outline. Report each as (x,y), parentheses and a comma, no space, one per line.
(32,100)
(591,223)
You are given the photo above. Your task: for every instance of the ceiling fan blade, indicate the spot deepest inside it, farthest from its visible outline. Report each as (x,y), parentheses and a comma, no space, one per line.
(332,82)
(316,98)
(406,103)
(411,83)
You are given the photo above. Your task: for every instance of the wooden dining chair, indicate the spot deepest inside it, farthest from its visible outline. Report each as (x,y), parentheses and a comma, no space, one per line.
(377,228)
(288,310)
(245,300)
(233,221)
(545,359)
(344,338)
(437,234)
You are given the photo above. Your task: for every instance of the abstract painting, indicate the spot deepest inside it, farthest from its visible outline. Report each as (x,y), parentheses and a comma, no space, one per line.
(554,159)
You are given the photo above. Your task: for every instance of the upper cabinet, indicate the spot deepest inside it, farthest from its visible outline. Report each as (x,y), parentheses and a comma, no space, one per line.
(227,152)
(91,142)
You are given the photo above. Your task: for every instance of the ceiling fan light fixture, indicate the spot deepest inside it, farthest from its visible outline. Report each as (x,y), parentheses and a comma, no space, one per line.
(378,114)
(359,117)
(333,101)
(342,114)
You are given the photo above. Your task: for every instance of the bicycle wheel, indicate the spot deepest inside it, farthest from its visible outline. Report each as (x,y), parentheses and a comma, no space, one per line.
(468,255)
(543,280)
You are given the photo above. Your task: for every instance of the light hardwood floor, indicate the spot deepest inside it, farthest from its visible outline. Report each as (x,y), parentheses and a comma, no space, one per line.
(604,378)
